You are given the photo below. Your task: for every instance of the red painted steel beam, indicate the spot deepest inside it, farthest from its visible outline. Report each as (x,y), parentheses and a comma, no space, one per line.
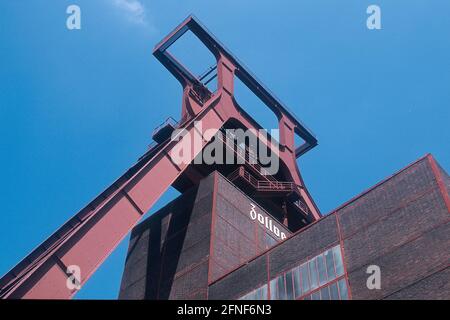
(88,238)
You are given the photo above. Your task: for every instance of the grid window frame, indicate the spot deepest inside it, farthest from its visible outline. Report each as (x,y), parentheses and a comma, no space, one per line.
(308,281)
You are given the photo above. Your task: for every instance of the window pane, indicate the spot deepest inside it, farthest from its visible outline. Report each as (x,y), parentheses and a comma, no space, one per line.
(270,242)
(338,261)
(313,274)
(305,278)
(263,292)
(334,293)
(297,283)
(253,295)
(343,289)
(325,293)
(258,294)
(273,289)
(316,295)
(330,264)
(289,286)
(322,270)
(248,296)
(307,298)
(281,288)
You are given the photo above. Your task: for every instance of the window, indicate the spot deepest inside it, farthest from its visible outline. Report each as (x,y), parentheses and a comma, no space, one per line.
(273,290)
(321,269)
(305,277)
(297,282)
(325,293)
(262,293)
(319,278)
(313,273)
(270,242)
(334,292)
(315,295)
(338,261)
(343,292)
(330,264)
(257,294)
(281,287)
(289,286)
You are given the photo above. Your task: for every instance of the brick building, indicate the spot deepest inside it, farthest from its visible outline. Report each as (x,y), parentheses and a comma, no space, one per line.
(215,242)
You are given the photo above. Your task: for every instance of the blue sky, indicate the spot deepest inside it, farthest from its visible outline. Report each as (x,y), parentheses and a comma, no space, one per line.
(77,107)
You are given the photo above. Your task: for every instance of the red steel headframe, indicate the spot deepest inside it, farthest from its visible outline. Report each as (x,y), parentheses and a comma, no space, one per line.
(227,108)
(92,234)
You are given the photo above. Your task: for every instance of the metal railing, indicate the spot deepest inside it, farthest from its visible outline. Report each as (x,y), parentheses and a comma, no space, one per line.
(276,186)
(268,186)
(262,185)
(244,153)
(169,121)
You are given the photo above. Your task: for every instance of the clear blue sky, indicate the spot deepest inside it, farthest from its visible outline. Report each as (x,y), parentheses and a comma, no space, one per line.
(77,107)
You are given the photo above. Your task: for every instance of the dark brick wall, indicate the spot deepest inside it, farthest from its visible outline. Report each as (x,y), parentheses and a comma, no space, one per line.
(387,197)
(236,237)
(168,253)
(436,286)
(406,265)
(400,226)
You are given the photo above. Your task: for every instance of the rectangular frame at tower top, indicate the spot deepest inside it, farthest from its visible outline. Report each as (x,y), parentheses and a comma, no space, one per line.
(247,77)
